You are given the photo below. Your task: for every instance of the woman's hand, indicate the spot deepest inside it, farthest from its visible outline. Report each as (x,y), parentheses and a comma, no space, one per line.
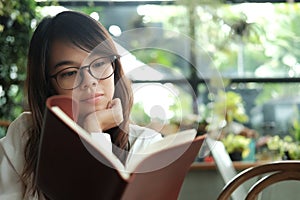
(102,120)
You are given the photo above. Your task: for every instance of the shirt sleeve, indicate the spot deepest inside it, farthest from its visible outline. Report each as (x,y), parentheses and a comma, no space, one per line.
(102,139)
(140,138)
(12,161)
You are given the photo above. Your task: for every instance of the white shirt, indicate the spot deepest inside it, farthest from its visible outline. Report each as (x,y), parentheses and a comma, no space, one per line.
(12,153)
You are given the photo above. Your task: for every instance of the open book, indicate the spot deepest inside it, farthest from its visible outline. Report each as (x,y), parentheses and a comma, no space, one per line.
(72,165)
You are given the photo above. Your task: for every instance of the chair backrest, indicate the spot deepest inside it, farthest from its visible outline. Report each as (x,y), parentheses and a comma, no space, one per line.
(269,173)
(224,165)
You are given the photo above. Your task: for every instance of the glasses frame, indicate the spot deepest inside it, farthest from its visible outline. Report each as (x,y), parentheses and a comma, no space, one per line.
(88,67)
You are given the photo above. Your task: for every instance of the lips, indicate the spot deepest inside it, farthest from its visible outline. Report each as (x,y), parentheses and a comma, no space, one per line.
(93,98)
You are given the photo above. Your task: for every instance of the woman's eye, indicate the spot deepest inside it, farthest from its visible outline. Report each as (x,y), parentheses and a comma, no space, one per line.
(101,63)
(98,64)
(68,73)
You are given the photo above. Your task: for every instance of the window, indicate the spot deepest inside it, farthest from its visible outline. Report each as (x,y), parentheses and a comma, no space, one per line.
(252,47)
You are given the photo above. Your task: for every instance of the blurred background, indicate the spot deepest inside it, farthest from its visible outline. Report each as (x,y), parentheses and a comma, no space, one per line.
(236,59)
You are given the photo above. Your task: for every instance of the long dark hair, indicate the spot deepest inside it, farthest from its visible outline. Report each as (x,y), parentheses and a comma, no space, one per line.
(85,33)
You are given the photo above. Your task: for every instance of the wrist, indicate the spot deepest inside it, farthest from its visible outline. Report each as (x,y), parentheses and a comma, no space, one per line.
(92,126)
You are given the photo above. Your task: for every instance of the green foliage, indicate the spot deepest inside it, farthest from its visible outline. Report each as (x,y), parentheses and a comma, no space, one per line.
(268,43)
(236,143)
(283,145)
(163,59)
(296,130)
(231,105)
(138,115)
(155,56)
(2,131)
(16,23)
(274,143)
(294,151)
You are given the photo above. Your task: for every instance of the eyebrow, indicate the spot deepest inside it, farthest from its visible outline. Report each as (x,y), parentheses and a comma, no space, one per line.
(66,62)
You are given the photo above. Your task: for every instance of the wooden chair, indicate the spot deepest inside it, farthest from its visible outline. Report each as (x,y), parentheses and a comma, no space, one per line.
(269,174)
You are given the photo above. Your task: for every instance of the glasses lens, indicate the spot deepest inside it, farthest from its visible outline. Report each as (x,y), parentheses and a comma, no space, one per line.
(102,68)
(69,78)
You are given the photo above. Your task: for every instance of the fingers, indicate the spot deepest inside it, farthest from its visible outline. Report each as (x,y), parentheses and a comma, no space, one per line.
(117,110)
(114,103)
(107,118)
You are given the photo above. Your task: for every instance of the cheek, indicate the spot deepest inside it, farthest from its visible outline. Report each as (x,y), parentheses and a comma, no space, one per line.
(55,89)
(109,88)
(60,91)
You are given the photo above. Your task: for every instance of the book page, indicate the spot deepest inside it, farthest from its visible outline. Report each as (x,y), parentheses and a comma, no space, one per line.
(103,155)
(173,140)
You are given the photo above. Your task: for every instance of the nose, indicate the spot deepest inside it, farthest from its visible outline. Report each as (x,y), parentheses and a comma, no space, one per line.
(88,81)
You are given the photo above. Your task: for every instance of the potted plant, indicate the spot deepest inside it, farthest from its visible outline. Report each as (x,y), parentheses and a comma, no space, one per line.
(286,148)
(231,105)
(237,146)
(229,114)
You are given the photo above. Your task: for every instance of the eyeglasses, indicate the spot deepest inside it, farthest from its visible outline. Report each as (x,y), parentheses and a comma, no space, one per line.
(71,77)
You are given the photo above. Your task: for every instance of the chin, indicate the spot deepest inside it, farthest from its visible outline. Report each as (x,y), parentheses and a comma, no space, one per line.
(84,110)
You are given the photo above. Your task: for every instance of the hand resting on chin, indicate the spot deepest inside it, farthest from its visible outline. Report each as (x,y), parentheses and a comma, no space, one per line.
(102,120)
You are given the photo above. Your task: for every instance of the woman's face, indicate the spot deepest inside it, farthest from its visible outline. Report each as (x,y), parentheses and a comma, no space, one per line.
(92,94)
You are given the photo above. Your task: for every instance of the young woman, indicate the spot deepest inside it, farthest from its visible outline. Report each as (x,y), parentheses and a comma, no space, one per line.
(61,60)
